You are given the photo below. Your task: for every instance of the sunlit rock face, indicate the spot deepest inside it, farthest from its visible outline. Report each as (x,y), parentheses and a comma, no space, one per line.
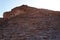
(7,15)
(30,23)
(19,10)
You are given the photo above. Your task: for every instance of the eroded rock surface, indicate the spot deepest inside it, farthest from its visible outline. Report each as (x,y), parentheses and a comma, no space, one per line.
(32,24)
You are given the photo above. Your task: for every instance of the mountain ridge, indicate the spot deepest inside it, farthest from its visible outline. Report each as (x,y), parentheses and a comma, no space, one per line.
(28,23)
(26,9)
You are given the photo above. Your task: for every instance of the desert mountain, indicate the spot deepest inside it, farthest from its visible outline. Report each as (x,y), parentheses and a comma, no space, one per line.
(29,23)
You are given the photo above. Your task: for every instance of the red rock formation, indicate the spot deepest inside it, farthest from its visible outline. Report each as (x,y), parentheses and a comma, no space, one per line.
(26,9)
(7,15)
(28,23)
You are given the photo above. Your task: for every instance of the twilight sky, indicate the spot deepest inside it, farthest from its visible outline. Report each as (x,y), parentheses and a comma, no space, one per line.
(7,5)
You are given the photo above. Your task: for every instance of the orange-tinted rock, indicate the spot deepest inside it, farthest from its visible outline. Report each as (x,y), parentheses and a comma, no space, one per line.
(26,9)
(7,15)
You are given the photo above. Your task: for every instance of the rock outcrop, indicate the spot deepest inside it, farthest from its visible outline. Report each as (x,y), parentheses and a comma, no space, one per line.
(7,15)
(29,23)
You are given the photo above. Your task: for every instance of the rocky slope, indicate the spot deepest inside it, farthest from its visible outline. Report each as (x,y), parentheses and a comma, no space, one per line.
(29,23)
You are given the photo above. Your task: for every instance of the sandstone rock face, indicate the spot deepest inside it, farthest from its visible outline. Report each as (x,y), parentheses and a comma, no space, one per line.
(19,10)
(32,24)
(7,15)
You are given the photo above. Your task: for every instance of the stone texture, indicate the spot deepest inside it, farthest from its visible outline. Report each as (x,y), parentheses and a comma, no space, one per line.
(32,24)
(8,15)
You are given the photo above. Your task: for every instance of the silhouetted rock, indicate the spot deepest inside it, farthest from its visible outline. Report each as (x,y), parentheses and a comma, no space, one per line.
(29,23)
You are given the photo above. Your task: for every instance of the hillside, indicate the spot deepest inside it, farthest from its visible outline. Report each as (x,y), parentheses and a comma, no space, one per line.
(29,23)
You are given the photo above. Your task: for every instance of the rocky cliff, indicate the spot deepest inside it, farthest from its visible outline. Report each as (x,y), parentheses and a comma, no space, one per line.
(29,23)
